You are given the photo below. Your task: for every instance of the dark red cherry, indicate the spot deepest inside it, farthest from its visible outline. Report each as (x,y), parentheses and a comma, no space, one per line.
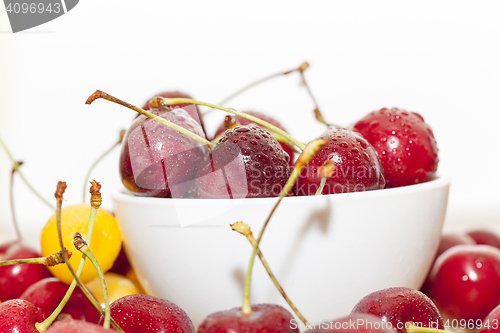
(354,323)
(271,120)
(357,166)
(191,109)
(122,264)
(158,161)
(465,281)
(491,324)
(14,279)
(46,294)
(247,162)
(400,305)
(405,144)
(18,316)
(66,326)
(148,314)
(485,237)
(265,318)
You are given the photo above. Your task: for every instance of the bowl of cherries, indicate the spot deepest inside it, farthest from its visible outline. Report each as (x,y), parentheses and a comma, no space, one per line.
(353,211)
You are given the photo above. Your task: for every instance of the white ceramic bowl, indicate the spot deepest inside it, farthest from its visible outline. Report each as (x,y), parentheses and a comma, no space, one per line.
(327,251)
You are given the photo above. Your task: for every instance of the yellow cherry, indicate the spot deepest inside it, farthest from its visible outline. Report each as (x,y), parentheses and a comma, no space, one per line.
(118,286)
(133,277)
(105,243)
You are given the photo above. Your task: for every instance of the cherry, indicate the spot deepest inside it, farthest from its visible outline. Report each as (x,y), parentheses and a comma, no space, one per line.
(144,313)
(4,247)
(191,109)
(355,323)
(267,318)
(405,144)
(465,281)
(451,239)
(156,160)
(46,294)
(122,264)
(357,166)
(400,305)
(247,162)
(485,237)
(491,324)
(243,121)
(15,279)
(19,316)
(70,325)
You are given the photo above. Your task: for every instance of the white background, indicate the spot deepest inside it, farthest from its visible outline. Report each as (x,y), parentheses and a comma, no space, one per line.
(441,59)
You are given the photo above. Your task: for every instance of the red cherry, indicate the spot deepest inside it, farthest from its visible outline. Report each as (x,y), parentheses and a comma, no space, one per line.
(46,294)
(357,166)
(272,121)
(191,109)
(70,325)
(491,324)
(401,305)
(267,318)
(451,239)
(355,323)
(6,246)
(122,264)
(18,316)
(14,279)
(465,281)
(485,237)
(247,162)
(404,143)
(157,160)
(148,314)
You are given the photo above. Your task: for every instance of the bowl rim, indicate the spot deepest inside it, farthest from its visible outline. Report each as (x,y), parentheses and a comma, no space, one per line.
(438,182)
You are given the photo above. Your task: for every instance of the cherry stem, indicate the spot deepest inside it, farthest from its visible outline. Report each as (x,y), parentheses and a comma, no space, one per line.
(12,208)
(100,94)
(81,245)
(319,191)
(95,203)
(162,101)
(244,229)
(16,167)
(324,172)
(302,68)
(100,158)
(307,154)
(317,112)
(49,261)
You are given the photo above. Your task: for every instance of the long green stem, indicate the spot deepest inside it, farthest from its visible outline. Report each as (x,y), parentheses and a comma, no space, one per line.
(172,101)
(100,94)
(307,154)
(49,261)
(319,191)
(244,229)
(16,166)
(82,246)
(12,208)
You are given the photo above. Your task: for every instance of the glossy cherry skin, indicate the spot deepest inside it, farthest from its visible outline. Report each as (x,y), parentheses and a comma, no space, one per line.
(491,324)
(192,109)
(148,314)
(158,161)
(14,279)
(265,318)
(271,120)
(400,305)
(357,166)
(46,294)
(355,323)
(451,239)
(18,316)
(465,281)
(485,237)
(405,144)
(247,162)
(66,326)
